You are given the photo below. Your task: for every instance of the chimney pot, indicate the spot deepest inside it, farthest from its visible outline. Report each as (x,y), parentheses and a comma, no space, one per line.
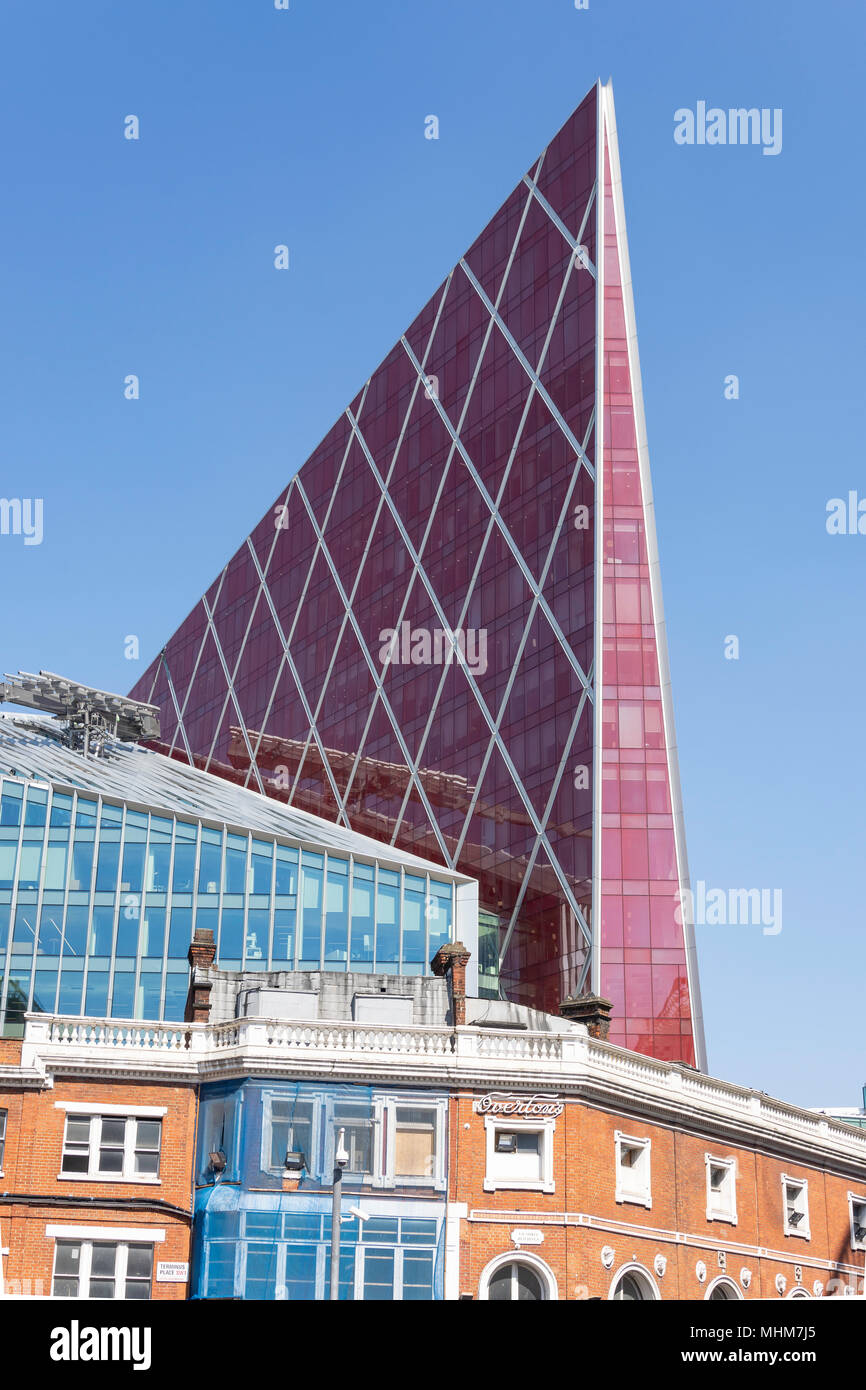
(201,957)
(451,960)
(591,1009)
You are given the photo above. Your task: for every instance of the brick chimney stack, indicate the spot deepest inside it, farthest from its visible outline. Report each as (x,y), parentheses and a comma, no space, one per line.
(452,960)
(201,957)
(591,1009)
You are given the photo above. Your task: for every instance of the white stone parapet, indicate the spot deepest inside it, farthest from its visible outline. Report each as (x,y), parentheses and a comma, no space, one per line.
(571,1063)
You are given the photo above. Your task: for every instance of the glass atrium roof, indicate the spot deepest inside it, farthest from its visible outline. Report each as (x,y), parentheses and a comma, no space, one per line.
(29,749)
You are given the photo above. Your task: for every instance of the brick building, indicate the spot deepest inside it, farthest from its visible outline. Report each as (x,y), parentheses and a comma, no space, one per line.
(95,1170)
(496,1153)
(591,1173)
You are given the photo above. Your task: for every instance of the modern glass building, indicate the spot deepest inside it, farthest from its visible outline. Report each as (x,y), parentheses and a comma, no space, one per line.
(108,864)
(447,631)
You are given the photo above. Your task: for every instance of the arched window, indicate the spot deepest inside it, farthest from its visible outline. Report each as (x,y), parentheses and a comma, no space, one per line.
(515,1282)
(521,1278)
(799,1293)
(723,1291)
(633,1284)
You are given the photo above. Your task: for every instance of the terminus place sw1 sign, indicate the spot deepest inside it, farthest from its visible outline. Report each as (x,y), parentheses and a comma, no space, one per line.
(172,1271)
(540,1105)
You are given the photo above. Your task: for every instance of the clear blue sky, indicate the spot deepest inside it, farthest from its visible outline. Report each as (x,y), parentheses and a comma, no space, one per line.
(305,127)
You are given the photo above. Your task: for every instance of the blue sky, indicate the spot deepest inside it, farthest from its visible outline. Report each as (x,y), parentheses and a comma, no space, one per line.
(305,127)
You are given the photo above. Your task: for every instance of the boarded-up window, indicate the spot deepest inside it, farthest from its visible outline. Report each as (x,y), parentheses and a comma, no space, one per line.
(414,1143)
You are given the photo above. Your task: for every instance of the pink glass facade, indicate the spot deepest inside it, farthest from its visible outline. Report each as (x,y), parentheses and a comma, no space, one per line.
(457,495)
(644,967)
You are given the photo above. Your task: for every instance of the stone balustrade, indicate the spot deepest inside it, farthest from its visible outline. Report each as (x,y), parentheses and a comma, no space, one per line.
(568,1061)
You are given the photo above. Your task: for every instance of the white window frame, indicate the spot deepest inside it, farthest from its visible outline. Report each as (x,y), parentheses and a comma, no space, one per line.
(494,1176)
(361,1251)
(94,1142)
(383,1118)
(857,1199)
(640,1194)
(96,1237)
(439,1112)
(315,1100)
(801,1229)
(726,1282)
(724,1210)
(413,1211)
(327,1110)
(642,1275)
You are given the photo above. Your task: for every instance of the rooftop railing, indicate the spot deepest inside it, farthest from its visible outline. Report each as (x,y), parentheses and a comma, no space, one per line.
(498,1057)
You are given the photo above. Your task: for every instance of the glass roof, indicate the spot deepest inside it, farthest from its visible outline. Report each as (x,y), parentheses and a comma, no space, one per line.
(29,749)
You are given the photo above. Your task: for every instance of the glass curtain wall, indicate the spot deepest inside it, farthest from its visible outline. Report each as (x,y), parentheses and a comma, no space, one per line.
(99,901)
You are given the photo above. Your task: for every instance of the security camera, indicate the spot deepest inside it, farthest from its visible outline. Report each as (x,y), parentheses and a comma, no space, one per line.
(361,1215)
(341,1157)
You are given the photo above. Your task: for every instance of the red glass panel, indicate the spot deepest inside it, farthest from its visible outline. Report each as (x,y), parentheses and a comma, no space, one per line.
(515,457)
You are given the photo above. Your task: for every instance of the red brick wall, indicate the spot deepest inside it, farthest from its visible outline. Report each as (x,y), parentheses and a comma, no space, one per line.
(31,1253)
(585,1181)
(31,1167)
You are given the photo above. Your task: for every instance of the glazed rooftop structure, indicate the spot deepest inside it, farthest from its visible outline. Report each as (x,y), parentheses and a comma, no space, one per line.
(108,864)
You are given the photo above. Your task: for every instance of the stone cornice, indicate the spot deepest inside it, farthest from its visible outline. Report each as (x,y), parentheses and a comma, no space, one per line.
(580,1068)
(22,1079)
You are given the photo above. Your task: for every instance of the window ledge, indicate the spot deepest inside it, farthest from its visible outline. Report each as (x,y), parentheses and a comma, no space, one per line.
(126,1112)
(114,1182)
(634,1200)
(722,1216)
(799,1235)
(429,1183)
(515,1185)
